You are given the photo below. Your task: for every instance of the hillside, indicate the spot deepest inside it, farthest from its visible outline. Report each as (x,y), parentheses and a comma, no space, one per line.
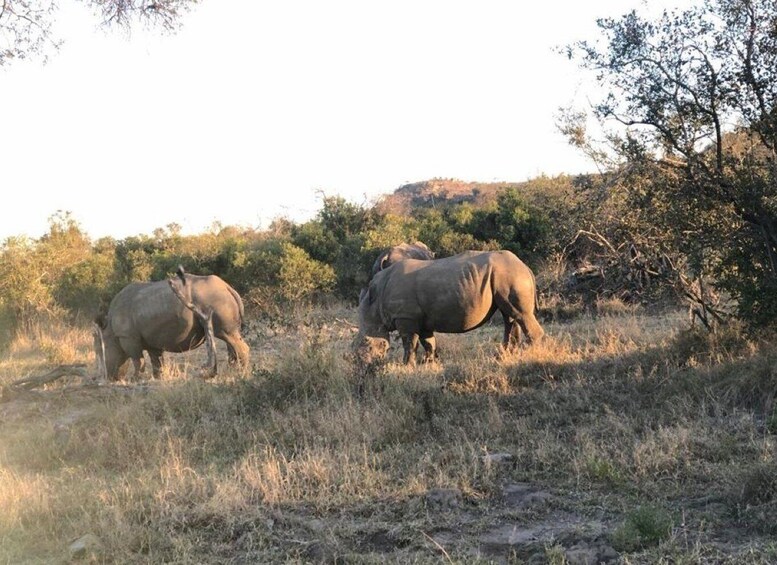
(436,192)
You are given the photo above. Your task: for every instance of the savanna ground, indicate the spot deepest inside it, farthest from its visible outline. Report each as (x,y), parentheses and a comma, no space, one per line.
(623,437)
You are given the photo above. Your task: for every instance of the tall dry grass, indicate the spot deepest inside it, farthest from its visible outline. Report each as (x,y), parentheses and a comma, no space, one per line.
(302,460)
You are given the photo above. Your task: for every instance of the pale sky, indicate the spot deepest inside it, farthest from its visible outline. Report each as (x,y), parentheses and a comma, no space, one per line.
(253,107)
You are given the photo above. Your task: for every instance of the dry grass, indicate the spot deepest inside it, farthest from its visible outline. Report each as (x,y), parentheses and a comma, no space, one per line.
(44,344)
(629,421)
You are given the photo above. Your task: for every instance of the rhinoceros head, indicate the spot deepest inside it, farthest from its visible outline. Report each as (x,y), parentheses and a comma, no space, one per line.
(110,357)
(372,342)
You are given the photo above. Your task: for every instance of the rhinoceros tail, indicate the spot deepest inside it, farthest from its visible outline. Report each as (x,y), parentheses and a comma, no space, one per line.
(181,274)
(240,307)
(536,294)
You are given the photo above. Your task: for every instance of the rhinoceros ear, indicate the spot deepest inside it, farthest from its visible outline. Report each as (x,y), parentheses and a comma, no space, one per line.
(181,274)
(371,294)
(367,292)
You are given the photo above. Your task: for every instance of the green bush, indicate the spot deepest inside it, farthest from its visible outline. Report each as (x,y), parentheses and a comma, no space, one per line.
(88,285)
(644,527)
(24,292)
(299,276)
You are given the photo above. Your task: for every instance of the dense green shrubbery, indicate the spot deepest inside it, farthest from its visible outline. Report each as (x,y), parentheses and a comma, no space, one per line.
(64,271)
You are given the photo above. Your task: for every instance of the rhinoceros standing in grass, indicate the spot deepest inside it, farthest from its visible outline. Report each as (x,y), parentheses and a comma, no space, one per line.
(452,295)
(149,316)
(401,252)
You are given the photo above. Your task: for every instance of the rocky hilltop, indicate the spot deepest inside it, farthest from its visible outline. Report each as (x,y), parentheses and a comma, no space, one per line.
(440,192)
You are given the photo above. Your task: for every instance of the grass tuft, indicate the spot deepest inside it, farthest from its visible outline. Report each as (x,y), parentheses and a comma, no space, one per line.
(644,527)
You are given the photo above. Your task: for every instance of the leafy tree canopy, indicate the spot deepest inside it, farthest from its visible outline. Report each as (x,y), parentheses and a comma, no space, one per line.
(27,25)
(694,93)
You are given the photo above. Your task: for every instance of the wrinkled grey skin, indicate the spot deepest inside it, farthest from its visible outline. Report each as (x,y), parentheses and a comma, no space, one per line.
(401,252)
(452,295)
(149,317)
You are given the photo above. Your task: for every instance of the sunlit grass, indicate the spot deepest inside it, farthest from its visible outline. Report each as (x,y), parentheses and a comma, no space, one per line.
(619,410)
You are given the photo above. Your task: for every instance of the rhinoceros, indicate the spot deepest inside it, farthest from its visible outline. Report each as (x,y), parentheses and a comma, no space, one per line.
(149,316)
(401,252)
(452,295)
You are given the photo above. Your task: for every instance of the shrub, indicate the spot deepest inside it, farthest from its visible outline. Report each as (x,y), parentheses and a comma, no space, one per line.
(644,527)
(85,286)
(24,292)
(311,373)
(604,470)
(300,276)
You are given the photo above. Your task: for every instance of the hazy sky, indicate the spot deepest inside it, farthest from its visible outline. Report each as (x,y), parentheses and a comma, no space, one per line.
(253,107)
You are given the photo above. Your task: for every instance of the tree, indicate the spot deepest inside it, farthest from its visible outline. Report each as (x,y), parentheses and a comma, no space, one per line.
(300,276)
(26,25)
(31,271)
(336,237)
(515,224)
(344,219)
(695,93)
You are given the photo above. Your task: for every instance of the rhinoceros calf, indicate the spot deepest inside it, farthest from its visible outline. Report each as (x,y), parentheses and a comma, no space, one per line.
(150,317)
(417,250)
(452,295)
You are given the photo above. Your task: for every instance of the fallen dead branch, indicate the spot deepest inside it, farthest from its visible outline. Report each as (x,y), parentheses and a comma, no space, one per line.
(27,384)
(345,322)
(637,269)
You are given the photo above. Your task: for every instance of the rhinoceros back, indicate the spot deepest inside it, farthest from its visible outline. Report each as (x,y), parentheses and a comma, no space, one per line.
(213,292)
(122,309)
(162,321)
(455,294)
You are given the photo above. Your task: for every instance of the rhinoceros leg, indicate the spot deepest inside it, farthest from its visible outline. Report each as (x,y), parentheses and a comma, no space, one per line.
(516,310)
(134,350)
(237,349)
(409,332)
(231,354)
(157,361)
(512,335)
(531,328)
(410,343)
(140,366)
(430,346)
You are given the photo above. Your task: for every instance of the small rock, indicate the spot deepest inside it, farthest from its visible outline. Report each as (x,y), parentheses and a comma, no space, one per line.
(537,558)
(582,556)
(510,537)
(585,554)
(315,525)
(61,434)
(506,459)
(608,554)
(319,552)
(524,495)
(85,546)
(445,498)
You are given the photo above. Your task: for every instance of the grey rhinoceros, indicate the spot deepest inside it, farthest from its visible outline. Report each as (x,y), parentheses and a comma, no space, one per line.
(149,316)
(452,295)
(416,250)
